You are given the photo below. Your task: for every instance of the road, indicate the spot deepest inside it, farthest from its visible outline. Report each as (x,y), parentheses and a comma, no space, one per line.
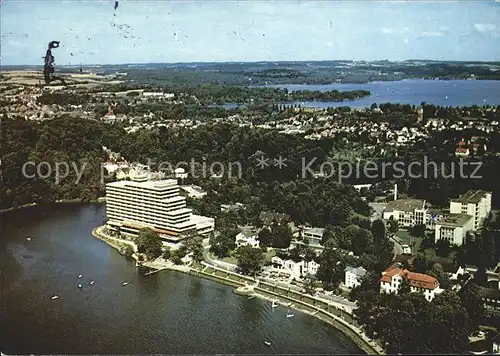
(398,250)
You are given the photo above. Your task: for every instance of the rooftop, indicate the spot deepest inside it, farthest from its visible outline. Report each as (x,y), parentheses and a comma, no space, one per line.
(418,280)
(454,220)
(408,205)
(357,271)
(149,184)
(471,197)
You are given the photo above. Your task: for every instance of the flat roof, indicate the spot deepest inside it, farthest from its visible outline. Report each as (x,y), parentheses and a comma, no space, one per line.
(150,184)
(454,220)
(472,196)
(408,205)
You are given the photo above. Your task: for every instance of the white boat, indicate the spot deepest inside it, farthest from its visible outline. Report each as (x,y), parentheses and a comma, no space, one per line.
(92,282)
(289,314)
(275,304)
(124,283)
(55,297)
(80,276)
(267,343)
(79,286)
(28,238)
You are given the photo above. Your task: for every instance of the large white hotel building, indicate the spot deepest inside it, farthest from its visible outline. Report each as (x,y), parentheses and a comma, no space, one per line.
(133,205)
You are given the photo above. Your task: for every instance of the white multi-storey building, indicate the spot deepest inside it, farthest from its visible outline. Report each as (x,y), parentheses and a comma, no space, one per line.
(354,276)
(454,228)
(133,205)
(476,203)
(295,269)
(313,234)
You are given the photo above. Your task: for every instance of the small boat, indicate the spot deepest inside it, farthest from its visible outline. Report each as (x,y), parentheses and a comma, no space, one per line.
(267,343)
(91,282)
(28,238)
(124,283)
(275,304)
(80,286)
(80,276)
(55,297)
(289,314)
(251,297)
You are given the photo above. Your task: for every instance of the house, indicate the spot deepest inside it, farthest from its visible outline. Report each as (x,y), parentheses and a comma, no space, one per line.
(491,299)
(354,276)
(193,191)
(495,347)
(243,239)
(454,228)
(295,269)
(180,173)
(313,234)
(462,152)
(393,277)
(476,203)
(231,207)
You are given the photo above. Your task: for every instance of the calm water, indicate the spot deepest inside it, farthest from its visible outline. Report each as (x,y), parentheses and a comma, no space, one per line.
(413,92)
(167,312)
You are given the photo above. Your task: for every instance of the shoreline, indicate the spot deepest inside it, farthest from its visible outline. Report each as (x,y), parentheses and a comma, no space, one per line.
(339,324)
(62,201)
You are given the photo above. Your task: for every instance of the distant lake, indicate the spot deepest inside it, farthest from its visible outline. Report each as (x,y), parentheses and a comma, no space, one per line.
(412,92)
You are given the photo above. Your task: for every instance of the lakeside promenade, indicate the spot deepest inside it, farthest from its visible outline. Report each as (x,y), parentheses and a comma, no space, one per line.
(325,310)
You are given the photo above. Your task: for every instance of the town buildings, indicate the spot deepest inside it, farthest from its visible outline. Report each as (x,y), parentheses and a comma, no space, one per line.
(295,269)
(454,228)
(392,280)
(476,203)
(133,205)
(313,234)
(407,212)
(354,276)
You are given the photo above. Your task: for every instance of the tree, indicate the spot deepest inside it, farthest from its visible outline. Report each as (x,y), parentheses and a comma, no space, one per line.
(222,243)
(472,302)
(281,236)
(443,248)
(265,237)
(418,230)
(392,225)
(149,243)
(481,277)
(250,260)
(194,245)
(405,288)
(437,272)
(167,253)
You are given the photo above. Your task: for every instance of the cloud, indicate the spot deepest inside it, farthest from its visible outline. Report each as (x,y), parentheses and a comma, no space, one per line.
(484,27)
(431,34)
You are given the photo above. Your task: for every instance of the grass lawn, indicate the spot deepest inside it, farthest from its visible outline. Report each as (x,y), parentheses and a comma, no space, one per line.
(429,253)
(231,259)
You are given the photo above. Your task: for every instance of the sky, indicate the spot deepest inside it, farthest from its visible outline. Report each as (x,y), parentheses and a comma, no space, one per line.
(167,31)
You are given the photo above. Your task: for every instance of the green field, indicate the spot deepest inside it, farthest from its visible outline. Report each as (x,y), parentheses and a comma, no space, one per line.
(415,243)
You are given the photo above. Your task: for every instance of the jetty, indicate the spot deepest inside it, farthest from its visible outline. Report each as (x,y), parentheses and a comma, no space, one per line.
(155,270)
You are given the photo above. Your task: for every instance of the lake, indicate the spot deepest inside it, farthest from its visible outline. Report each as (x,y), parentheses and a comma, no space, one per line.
(166,312)
(413,92)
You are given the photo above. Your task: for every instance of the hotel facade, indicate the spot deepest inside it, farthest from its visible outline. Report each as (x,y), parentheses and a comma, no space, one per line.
(140,203)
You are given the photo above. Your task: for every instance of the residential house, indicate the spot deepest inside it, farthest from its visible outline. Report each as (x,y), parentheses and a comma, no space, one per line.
(491,299)
(313,234)
(393,277)
(295,269)
(244,239)
(354,276)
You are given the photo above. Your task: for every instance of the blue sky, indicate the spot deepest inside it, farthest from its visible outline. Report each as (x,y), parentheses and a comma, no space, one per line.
(223,30)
